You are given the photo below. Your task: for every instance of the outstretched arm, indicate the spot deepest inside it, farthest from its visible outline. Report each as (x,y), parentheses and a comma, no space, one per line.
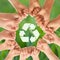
(19,7)
(43,46)
(55,24)
(48,5)
(7,45)
(7,35)
(15,51)
(9,21)
(12,54)
(35,54)
(52,38)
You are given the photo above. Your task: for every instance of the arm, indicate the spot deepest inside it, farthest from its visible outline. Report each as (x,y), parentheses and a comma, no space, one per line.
(22,10)
(7,35)
(7,45)
(48,5)
(43,46)
(55,24)
(8,24)
(12,54)
(52,38)
(34,7)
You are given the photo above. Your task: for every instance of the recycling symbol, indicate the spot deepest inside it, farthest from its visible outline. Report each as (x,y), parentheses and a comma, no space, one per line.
(29,33)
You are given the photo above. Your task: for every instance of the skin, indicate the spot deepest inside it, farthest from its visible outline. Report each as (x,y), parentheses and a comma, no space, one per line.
(29,51)
(7,35)
(19,7)
(43,46)
(10,23)
(23,53)
(52,38)
(32,51)
(13,52)
(47,7)
(43,20)
(10,56)
(35,54)
(55,24)
(33,4)
(7,45)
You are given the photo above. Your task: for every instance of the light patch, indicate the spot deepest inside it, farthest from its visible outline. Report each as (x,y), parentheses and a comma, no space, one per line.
(36,34)
(25,39)
(21,33)
(26,26)
(32,39)
(32,26)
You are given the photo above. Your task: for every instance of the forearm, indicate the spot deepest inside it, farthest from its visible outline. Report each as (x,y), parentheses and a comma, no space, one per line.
(3,47)
(35,58)
(22,58)
(10,56)
(55,24)
(1,36)
(43,46)
(51,55)
(1,23)
(57,42)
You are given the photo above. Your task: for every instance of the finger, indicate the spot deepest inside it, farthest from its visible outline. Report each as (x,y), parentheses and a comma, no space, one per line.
(7,45)
(52,38)
(5,18)
(55,24)
(7,35)
(24,53)
(18,6)
(10,55)
(11,27)
(22,57)
(48,38)
(4,47)
(9,21)
(10,17)
(40,44)
(13,47)
(35,54)
(42,19)
(48,5)
(34,7)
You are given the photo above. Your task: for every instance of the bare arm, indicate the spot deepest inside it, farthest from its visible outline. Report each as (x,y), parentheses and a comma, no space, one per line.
(9,24)
(7,35)
(7,45)
(48,5)
(43,46)
(52,38)
(22,10)
(55,24)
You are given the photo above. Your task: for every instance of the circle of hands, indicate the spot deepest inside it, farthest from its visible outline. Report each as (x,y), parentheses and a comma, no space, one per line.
(10,22)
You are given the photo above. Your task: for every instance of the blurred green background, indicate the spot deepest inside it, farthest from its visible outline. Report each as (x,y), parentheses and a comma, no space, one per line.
(6,7)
